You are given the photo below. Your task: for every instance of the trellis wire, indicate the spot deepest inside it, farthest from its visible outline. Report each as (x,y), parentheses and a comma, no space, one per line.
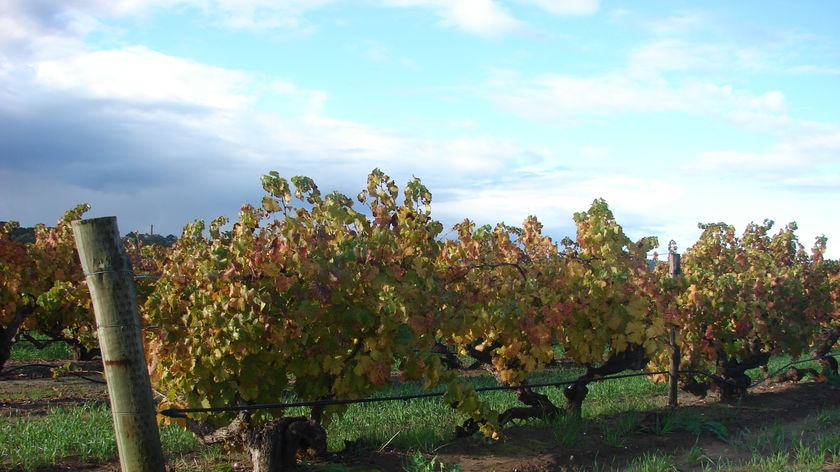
(181,412)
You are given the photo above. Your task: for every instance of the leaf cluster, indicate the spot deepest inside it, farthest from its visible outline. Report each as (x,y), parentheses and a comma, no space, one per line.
(43,287)
(744,296)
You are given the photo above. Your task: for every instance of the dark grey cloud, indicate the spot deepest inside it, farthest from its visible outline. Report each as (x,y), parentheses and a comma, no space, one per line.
(99,145)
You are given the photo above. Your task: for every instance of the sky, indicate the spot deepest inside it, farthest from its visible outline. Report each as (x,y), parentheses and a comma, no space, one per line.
(161,112)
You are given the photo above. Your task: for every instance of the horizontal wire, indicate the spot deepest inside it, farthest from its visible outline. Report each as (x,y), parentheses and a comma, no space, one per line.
(110,271)
(181,412)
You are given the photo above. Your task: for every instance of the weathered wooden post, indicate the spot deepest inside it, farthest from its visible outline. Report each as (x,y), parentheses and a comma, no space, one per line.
(674,367)
(111,282)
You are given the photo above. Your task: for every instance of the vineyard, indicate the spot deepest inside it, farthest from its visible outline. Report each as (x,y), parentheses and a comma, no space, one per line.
(318,300)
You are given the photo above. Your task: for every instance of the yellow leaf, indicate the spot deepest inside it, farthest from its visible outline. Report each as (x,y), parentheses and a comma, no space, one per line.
(613,322)
(635,332)
(619,342)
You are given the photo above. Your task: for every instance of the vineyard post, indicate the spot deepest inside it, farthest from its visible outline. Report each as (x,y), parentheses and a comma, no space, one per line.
(108,273)
(674,367)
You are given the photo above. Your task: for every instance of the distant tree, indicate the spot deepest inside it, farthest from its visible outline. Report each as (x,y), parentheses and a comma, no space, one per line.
(147,239)
(16,233)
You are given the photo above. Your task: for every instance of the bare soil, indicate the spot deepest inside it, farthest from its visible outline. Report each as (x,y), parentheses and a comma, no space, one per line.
(526,448)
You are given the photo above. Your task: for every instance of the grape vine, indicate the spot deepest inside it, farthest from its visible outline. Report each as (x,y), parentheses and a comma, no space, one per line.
(42,289)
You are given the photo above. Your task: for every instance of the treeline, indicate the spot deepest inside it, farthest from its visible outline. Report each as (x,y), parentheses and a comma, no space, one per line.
(147,239)
(26,234)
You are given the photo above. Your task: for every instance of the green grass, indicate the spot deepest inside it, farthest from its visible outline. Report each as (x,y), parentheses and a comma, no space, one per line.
(671,421)
(402,424)
(617,396)
(652,462)
(811,445)
(420,463)
(85,431)
(207,459)
(23,350)
(567,431)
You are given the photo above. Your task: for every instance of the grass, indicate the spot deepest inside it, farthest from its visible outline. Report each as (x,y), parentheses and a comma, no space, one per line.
(652,462)
(85,431)
(671,421)
(567,431)
(25,351)
(617,396)
(810,445)
(420,463)
(617,433)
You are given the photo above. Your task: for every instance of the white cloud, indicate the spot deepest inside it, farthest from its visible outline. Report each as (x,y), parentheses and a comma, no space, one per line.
(565,99)
(665,75)
(556,195)
(294,100)
(262,14)
(466,123)
(490,18)
(482,17)
(485,156)
(246,14)
(36,29)
(379,52)
(807,158)
(679,24)
(567,7)
(141,75)
(547,198)
(668,55)
(814,182)
(737,162)
(595,152)
(773,101)
(37,23)
(631,192)
(485,18)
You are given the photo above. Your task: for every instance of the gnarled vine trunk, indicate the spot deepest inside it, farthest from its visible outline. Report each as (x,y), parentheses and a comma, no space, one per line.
(575,394)
(539,406)
(825,341)
(274,446)
(8,333)
(734,381)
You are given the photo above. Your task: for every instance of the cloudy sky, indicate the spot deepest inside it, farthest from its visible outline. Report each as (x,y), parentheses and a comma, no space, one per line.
(676,112)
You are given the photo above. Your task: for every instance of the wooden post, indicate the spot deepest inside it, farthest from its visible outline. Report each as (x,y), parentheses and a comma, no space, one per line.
(674,367)
(111,282)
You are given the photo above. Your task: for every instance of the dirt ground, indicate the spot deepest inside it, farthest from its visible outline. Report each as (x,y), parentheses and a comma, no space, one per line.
(527,448)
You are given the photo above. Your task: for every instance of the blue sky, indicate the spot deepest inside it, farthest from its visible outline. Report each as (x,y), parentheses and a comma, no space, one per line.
(676,112)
